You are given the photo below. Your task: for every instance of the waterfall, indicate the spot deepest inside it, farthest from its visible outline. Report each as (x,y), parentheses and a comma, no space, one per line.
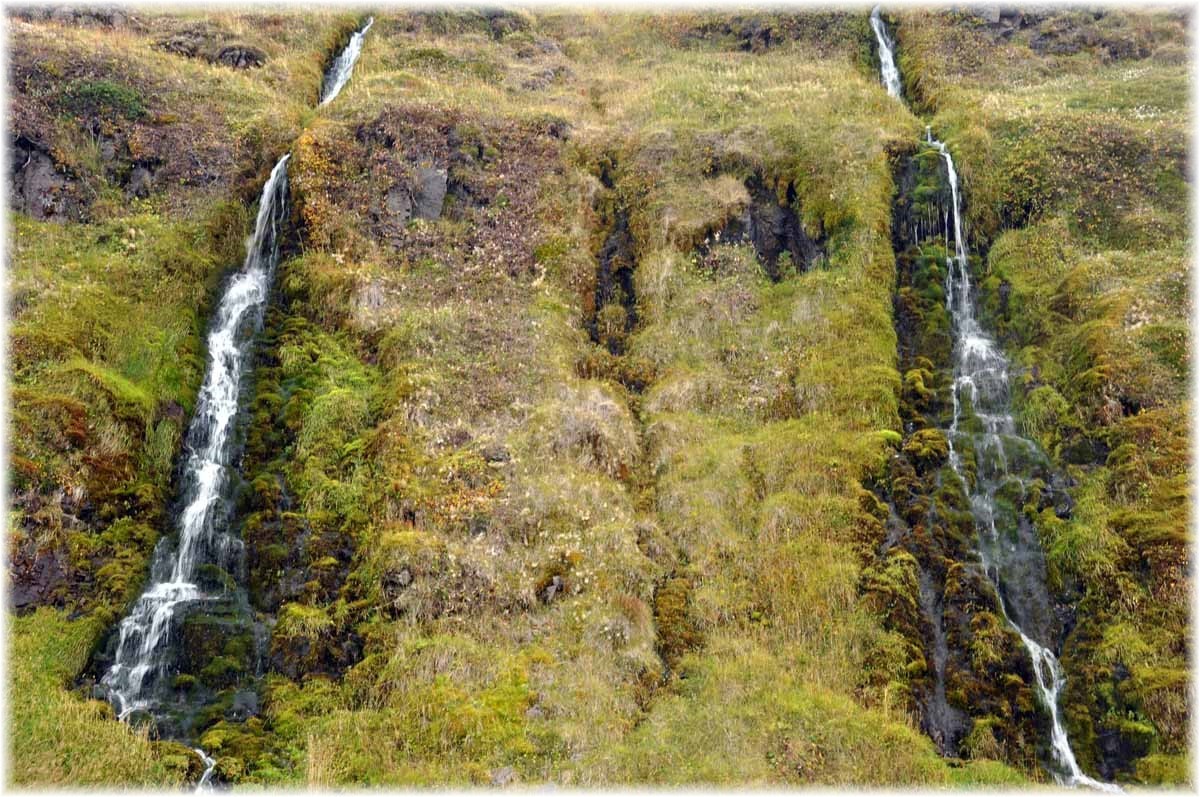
(1009,548)
(210,766)
(887,61)
(339,71)
(143,650)
(138,678)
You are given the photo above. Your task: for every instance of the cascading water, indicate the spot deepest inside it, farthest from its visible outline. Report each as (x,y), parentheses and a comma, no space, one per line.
(982,426)
(1009,547)
(339,71)
(138,679)
(142,653)
(887,60)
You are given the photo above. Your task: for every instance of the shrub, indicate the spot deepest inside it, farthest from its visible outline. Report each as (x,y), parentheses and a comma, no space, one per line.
(103,97)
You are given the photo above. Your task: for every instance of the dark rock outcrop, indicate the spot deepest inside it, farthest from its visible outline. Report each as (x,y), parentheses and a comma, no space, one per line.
(36,577)
(773,228)
(240,56)
(212,44)
(421,197)
(430,192)
(39,187)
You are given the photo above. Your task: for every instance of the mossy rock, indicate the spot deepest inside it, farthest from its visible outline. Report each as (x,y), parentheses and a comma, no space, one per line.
(222,671)
(927,449)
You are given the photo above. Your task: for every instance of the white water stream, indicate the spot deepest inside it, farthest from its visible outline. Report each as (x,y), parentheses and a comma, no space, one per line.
(980,394)
(143,662)
(340,70)
(143,647)
(887,59)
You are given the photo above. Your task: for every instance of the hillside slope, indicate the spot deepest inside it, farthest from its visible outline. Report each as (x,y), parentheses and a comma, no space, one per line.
(571,410)
(1073,140)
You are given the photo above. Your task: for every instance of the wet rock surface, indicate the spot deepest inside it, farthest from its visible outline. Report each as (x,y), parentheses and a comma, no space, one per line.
(974,691)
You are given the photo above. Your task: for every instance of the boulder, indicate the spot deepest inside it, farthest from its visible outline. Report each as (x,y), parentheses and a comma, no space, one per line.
(240,56)
(141,182)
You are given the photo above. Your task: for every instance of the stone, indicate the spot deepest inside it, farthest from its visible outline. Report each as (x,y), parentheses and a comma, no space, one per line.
(36,577)
(398,203)
(187,43)
(430,192)
(108,148)
(39,189)
(240,56)
(552,589)
(141,182)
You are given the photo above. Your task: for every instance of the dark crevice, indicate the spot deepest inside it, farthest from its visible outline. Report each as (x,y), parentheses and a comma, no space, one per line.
(613,315)
(771,224)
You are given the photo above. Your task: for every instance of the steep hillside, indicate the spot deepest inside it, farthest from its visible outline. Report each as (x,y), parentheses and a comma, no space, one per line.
(134,165)
(577,410)
(1073,140)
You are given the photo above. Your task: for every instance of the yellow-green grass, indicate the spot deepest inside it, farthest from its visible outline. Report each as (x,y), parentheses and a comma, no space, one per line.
(1073,172)
(106,353)
(708,531)
(737,470)
(59,739)
(262,109)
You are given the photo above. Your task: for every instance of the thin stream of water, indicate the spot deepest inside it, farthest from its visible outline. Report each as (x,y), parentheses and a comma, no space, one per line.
(145,660)
(343,66)
(982,419)
(143,657)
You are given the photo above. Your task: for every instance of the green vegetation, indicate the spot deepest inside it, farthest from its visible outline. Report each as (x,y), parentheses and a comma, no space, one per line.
(106,348)
(618,542)
(61,740)
(1071,136)
(558,478)
(104,97)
